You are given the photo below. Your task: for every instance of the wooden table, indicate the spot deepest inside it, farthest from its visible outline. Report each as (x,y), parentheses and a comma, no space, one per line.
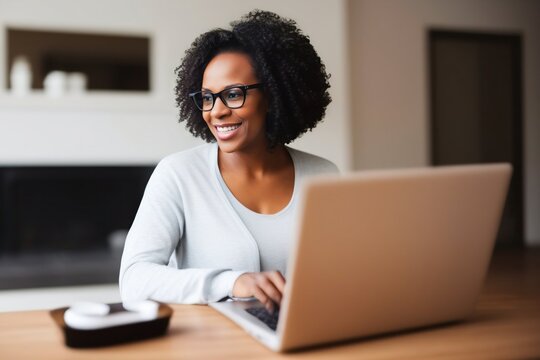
(506,325)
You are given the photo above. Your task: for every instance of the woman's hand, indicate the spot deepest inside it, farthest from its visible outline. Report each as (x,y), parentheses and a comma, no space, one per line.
(267,287)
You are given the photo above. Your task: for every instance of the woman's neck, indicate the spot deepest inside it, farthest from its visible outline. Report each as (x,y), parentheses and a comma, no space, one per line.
(254,163)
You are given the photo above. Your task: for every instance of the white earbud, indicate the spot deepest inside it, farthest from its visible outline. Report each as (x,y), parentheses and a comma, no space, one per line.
(90,308)
(91,316)
(146,308)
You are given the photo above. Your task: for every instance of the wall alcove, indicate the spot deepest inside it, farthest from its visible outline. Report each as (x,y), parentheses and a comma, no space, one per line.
(110,62)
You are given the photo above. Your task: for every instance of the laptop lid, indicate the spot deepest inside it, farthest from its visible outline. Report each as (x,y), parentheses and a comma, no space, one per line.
(381,251)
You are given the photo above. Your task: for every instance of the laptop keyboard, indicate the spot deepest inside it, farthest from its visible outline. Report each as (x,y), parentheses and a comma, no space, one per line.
(262,314)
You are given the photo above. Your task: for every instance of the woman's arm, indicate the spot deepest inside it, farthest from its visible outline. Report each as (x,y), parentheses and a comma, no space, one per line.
(150,244)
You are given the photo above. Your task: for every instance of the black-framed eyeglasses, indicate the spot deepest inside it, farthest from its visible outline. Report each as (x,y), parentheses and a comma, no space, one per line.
(233,97)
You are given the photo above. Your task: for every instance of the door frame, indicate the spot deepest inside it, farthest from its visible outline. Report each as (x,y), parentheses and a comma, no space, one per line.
(515,39)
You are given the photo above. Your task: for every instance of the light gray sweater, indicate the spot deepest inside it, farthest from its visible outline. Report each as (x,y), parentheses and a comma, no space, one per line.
(187,244)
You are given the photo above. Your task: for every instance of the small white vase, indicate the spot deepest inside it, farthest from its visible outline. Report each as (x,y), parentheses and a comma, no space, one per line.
(55,84)
(76,83)
(21,76)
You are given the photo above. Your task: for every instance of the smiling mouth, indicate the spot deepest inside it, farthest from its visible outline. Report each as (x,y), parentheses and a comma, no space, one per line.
(227,128)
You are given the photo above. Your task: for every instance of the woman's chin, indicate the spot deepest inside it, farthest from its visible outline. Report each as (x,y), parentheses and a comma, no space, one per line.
(228,146)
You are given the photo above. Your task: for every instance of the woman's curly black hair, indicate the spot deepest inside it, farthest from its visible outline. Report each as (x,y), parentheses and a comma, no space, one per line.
(294,77)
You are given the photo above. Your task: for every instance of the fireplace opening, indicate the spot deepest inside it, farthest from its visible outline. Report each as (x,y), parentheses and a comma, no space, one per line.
(66,225)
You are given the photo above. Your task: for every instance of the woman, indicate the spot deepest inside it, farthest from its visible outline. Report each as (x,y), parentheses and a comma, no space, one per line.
(216,220)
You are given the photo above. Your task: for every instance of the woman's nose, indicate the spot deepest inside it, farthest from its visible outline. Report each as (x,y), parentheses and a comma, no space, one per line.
(220,109)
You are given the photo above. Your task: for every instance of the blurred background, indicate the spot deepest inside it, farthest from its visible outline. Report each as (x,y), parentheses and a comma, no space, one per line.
(87,110)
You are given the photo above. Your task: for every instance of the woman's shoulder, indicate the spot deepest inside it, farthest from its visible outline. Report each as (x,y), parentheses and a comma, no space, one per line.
(191,158)
(191,165)
(311,163)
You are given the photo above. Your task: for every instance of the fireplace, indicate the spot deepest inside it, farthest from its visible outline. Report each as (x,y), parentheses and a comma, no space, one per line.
(65,225)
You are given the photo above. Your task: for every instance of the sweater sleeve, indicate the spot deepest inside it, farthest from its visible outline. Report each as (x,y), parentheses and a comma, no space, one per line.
(151,242)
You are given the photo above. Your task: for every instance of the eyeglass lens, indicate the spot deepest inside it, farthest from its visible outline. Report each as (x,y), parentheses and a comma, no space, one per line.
(232,98)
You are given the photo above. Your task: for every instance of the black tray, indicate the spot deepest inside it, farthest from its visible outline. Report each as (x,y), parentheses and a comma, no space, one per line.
(76,338)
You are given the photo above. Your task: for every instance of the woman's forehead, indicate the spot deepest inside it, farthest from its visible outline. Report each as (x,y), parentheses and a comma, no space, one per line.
(226,69)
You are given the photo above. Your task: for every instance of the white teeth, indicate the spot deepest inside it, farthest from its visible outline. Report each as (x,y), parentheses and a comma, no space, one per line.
(227,128)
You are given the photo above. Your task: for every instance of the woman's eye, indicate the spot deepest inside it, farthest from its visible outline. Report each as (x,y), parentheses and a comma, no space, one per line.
(207,97)
(234,95)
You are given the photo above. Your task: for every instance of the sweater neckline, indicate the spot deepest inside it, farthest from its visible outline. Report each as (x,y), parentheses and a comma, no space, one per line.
(232,212)
(227,191)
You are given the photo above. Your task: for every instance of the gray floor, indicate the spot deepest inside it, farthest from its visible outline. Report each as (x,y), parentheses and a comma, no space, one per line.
(58,269)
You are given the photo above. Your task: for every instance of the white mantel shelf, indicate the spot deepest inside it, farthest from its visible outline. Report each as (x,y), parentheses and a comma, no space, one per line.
(90,101)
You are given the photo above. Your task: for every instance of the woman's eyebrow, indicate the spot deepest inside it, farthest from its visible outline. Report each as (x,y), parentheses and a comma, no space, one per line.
(226,87)
(232,85)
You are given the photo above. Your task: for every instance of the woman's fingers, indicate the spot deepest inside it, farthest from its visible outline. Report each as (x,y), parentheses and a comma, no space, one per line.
(264,299)
(278,280)
(270,290)
(267,287)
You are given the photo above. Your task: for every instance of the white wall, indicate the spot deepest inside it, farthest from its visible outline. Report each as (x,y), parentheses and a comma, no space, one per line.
(114,128)
(389,80)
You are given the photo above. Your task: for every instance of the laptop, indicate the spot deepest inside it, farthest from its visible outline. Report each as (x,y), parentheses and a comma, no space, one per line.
(383,251)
